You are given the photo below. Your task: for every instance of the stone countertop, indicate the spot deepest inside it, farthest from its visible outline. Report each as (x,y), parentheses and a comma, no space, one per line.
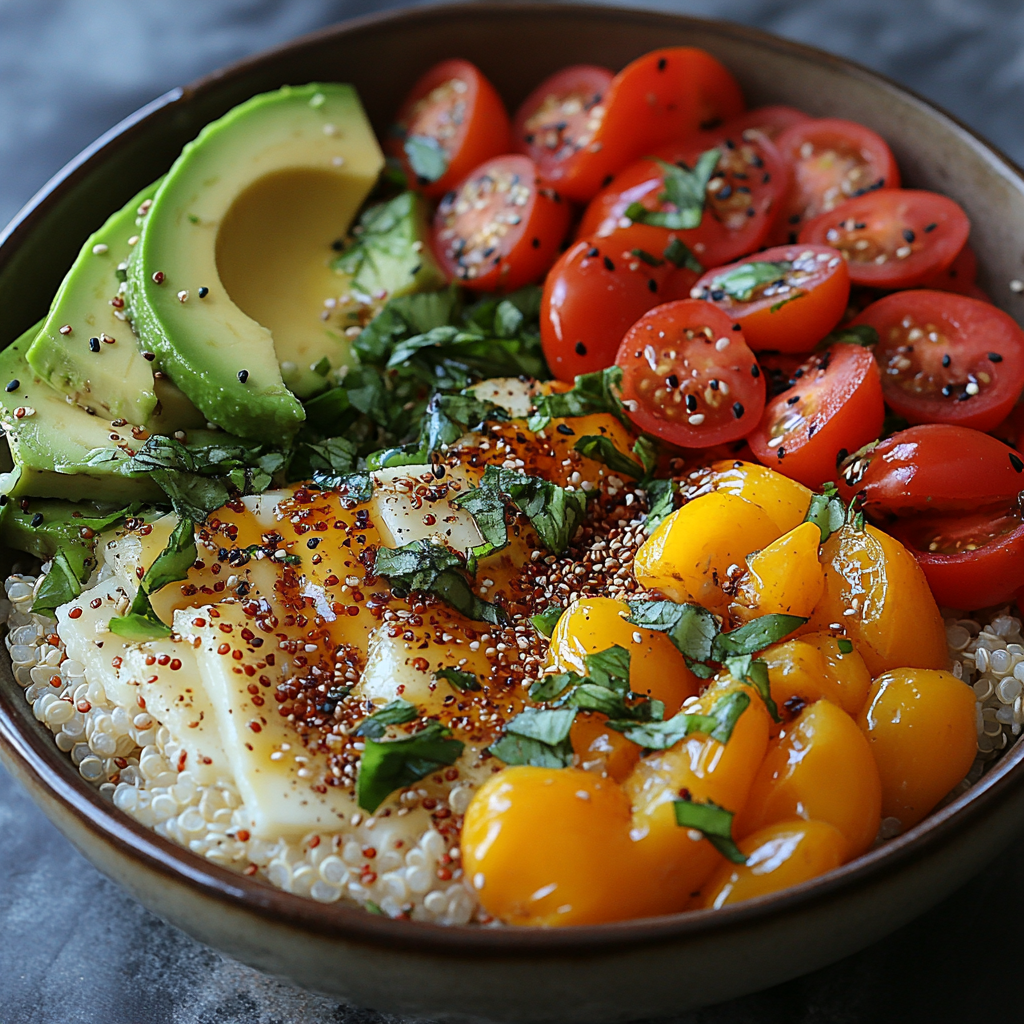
(75,948)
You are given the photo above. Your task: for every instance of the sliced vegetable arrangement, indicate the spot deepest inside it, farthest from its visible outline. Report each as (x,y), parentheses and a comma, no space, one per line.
(543,523)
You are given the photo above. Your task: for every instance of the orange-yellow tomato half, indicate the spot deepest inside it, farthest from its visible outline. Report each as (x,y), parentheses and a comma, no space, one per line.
(783,500)
(816,666)
(778,856)
(786,577)
(600,749)
(877,593)
(549,846)
(700,547)
(819,769)
(921,730)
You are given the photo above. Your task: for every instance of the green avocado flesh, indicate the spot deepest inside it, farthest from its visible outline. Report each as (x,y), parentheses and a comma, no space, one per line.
(248,213)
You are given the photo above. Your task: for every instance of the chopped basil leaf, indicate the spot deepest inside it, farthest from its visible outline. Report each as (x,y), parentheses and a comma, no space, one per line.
(335,455)
(826,511)
(464,682)
(537,736)
(678,254)
(645,257)
(357,486)
(373,908)
(660,502)
(718,724)
(609,668)
(393,764)
(716,824)
(508,319)
(748,669)
(544,622)
(685,190)
(398,712)
(856,334)
(591,393)
(742,282)
(646,450)
(755,635)
(59,585)
(549,687)
(845,646)
(427,158)
(139,628)
(602,449)
(689,626)
(435,569)
(548,725)
(786,301)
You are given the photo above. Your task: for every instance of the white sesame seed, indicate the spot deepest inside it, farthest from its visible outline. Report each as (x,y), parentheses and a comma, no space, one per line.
(1016,286)
(99,249)
(721,345)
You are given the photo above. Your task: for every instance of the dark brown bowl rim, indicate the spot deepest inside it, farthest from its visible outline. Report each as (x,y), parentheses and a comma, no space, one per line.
(32,755)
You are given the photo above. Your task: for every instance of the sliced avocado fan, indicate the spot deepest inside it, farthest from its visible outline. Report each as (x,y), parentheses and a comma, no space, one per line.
(229,279)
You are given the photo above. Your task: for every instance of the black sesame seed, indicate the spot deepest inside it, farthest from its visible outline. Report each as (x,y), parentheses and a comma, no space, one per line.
(243,376)
(662,62)
(781,452)
(908,235)
(792,400)
(37,519)
(993,357)
(608,265)
(652,285)
(535,243)
(338,244)
(94,344)
(947,390)
(930,227)
(738,410)
(13,385)
(794,218)
(3,500)
(717,294)
(840,456)
(736,327)
(313,542)
(203,292)
(581,349)
(1016,462)
(564,428)
(691,403)
(963,396)
(947,359)
(714,384)
(755,371)
(593,251)
(672,381)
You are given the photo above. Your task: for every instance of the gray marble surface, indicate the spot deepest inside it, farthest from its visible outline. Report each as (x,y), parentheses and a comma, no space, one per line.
(74,949)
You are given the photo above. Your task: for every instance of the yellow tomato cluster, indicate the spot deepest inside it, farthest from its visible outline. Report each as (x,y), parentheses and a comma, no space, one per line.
(872,724)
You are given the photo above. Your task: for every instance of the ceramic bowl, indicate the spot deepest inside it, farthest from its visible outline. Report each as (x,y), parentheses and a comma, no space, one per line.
(596,974)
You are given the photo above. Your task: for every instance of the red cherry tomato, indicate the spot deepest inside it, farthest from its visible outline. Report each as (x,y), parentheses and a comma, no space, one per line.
(739,198)
(786,299)
(770,122)
(452,120)
(664,95)
(970,561)
(894,237)
(835,406)
(498,229)
(689,377)
(946,358)
(1011,430)
(557,123)
(831,161)
(934,468)
(778,369)
(960,276)
(595,292)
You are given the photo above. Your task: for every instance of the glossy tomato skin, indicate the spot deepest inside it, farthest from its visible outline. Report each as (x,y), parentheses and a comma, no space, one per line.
(769,121)
(960,276)
(834,406)
(936,468)
(664,95)
(455,105)
(978,559)
(793,314)
(509,240)
(831,161)
(594,293)
(894,237)
(750,176)
(984,346)
(689,377)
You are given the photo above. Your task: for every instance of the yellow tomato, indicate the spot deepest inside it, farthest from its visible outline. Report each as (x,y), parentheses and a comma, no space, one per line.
(785,501)
(816,666)
(921,730)
(778,856)
(786,577)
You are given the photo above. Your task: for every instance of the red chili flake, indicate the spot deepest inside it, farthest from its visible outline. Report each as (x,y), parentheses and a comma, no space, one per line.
(84,706)
(54,641)
(352,609)
(117,302)
(258,701)
(429,803)
(120,762)
(444,874)
(331,581)
(182,758)
(224,648)
(66,329)
(256,727)
(145,530)
(96,602)
(152,679)
(242,835)
(164,659)
(452,774)
(199,623)
(75,613)
(370,852)
(141,701)
(314,842)
(150,659)
(175,664)
(86,533)
(56,681)
(368,877)
(441,813)
(250,870)
(224,627)
(237,655)
(158,277)
(420,664)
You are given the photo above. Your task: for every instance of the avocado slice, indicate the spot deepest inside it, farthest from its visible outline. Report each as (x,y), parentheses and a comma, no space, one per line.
(86,347)
(52,440)
(230,276)
(390,254)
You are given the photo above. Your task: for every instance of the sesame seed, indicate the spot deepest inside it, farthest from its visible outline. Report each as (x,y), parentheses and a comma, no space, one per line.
(721,345)
(203,292)
(12,385)
(738,410)
(1016,286)
(94,344)
(66,329)
(99,249)
(243,376)
(696,419)
(183,296)
(995,357)
(158,277)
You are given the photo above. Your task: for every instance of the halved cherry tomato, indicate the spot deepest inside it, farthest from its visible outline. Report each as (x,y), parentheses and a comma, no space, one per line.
(936,468)
(452,120)
(960,276)
(786,300)
(835,405)
(778,369)
(946,358)
(594,293)
(689,376)
(739,202)
(831,161)
(769,122)
(970,561)
(557,123)
(664,95)
(499,229)
(1011,430)
(895,237)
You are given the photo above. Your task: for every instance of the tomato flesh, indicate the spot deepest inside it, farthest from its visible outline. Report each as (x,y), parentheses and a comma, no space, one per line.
(769,122)
(933,468)
(595,292)
(831,161)
(498,229)
(790,312)
(739,199)
(893,238)
(455,112)
(970,561)
(689,376)
(834,406)
(960,276)
(947,358)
